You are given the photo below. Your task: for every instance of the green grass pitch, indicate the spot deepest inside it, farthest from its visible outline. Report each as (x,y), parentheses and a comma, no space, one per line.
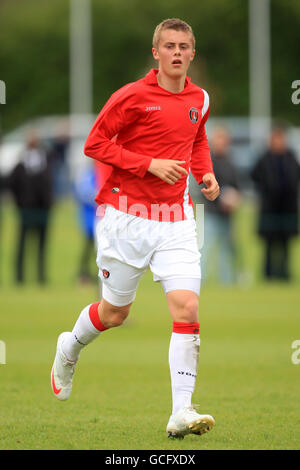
(121,394)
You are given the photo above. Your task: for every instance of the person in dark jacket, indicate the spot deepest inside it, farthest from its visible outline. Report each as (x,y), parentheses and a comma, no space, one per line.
(277,175)
(31,185)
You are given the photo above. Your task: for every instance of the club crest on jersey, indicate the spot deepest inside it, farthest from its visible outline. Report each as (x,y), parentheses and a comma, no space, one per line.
(105,273)
(194,115)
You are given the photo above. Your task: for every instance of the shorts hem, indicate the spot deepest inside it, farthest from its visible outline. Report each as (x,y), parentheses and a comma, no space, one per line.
(117,299)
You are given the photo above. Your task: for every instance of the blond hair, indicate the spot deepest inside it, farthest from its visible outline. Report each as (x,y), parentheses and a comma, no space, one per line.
(172,23)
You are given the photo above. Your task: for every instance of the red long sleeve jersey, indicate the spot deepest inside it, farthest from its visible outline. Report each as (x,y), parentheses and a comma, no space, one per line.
(142,121)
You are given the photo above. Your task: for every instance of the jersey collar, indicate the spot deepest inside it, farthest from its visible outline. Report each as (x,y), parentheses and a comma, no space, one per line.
(151,79)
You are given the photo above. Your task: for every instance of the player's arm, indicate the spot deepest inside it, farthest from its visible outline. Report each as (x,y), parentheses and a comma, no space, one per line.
(116,114)
(201,164)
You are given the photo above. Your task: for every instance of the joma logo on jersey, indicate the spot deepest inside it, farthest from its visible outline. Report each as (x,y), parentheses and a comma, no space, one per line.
(152,108)
(194,115)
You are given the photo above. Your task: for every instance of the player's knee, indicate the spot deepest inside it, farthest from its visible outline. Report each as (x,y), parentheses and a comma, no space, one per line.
(113,316)
(190,310)
(117,319)
(183,306)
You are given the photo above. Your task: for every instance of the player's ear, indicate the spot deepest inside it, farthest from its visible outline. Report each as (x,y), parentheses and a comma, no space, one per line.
(193,54)
(155,53)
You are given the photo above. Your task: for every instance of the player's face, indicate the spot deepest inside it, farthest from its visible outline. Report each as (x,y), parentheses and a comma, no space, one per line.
(174,53)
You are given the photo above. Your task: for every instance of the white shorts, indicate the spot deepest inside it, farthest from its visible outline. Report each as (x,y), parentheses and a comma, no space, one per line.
(127,245)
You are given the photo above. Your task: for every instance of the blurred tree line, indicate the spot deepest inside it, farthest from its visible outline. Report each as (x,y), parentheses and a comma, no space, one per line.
(34,52)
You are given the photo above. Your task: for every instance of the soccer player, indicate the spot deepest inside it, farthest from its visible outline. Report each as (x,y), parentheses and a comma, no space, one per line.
(151,132)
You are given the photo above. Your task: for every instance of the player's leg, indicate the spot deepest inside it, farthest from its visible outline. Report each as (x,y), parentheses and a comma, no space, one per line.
(119,284)
(93,320)
(184,346)
(176,264)
(183,359)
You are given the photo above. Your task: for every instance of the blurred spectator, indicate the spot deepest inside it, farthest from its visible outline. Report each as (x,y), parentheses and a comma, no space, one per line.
(31,185)
(85,191)
(219,241)
(277,176)
(60,146)
(2,184)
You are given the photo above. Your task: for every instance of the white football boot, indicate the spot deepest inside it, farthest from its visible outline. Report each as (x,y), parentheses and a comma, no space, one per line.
(62,371)
(188,421)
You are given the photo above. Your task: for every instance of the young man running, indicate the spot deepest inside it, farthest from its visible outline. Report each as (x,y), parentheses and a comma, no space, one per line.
(151,132)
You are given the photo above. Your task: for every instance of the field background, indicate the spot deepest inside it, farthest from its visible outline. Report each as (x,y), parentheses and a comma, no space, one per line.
(121,394)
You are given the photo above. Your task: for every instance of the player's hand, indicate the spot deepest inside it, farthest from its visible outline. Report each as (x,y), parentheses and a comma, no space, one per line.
(167,170)
(212,190)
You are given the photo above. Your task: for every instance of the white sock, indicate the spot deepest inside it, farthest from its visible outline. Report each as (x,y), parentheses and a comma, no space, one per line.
(83,333)
(183,362)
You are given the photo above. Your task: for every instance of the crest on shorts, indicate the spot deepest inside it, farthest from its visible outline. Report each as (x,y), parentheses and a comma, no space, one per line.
(194,115)
(105,273)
